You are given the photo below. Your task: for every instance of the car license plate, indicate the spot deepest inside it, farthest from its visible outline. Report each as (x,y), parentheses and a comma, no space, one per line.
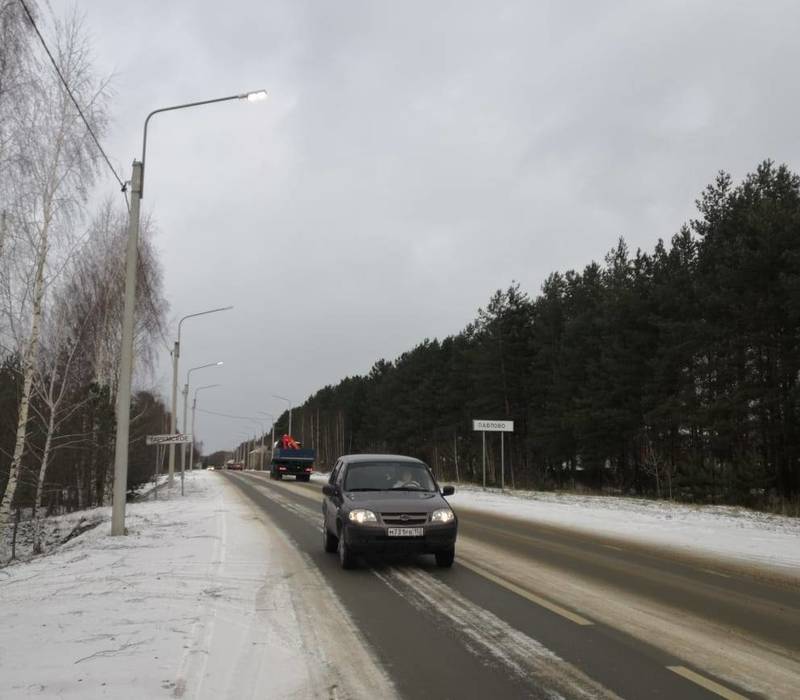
(405,531)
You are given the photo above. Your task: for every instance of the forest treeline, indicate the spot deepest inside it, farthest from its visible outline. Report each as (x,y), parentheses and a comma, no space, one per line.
(672,373)
(61,281)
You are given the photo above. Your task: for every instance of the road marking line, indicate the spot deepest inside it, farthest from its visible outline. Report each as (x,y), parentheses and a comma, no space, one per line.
(514,588)
(611,546)
(706,683)
(716,573)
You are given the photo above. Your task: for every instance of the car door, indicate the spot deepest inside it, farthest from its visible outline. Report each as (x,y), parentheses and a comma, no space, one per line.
(327,506)
(338,496)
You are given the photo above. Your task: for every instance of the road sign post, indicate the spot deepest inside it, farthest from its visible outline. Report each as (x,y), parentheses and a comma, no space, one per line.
(494,426)
(483,435)
(502,463)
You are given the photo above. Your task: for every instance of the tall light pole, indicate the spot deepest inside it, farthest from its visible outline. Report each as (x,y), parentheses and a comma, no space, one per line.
(272,419)
(123,412)
(289,403)
(175,355)
(194,406)
(263,429)
(244,448)
(186,411)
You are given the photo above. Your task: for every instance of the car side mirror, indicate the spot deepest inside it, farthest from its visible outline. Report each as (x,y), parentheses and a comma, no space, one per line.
(329,490)
(448,491)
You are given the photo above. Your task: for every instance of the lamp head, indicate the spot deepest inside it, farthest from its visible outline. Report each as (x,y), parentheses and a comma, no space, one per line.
(255,96)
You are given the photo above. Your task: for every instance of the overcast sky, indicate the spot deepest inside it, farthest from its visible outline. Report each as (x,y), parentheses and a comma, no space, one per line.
(413,157)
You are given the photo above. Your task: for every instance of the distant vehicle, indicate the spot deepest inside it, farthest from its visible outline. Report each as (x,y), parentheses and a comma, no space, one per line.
(289,457)
(382,504)
(234,466)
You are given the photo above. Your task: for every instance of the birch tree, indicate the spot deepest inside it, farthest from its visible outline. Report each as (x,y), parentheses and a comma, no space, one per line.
(57,165)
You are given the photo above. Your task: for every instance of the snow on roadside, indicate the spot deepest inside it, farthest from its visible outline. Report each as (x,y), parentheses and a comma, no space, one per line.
(721,531)
(740,534)
(59,529)
(196,601)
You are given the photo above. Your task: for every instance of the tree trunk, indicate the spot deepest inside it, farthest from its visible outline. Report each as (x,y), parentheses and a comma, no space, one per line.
(24,405)
(37,504)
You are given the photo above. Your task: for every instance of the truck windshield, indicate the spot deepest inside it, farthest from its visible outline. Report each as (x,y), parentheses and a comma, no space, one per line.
(388,476)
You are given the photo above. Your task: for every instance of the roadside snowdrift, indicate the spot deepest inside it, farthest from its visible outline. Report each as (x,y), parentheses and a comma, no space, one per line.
(198,600)
(738,534)
(721,531)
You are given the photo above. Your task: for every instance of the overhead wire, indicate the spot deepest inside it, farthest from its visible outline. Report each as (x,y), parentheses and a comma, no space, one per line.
(122,184)
(228,415)
(63,80)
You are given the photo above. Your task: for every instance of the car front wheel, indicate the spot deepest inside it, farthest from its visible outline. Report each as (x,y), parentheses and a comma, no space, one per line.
(445,559)
(346,557)
(329,541)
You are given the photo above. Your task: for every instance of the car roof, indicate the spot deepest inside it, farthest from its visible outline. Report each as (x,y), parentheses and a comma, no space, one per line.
(354,459)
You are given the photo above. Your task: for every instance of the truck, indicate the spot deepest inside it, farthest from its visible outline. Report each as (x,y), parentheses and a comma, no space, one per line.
(290,457)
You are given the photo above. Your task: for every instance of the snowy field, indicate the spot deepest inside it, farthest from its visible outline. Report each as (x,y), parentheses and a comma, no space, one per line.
(743,535)
(196,601)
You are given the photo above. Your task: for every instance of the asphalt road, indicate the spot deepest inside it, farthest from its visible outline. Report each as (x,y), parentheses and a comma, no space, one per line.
(474,632)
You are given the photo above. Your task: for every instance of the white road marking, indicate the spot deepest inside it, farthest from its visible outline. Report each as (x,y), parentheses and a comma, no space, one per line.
(706,683)
(528,595)
(487,636)
(716,573)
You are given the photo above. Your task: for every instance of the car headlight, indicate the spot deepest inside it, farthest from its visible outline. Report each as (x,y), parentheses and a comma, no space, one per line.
(443,515)
(362,516)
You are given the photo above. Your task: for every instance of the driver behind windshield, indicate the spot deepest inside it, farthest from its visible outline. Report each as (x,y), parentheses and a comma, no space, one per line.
(407,478)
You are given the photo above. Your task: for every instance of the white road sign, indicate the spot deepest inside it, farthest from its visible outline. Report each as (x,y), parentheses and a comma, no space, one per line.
(493,426)
(177,439)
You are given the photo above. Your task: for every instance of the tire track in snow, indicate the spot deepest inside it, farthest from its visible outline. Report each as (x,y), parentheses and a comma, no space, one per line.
(484,634)
(489,637)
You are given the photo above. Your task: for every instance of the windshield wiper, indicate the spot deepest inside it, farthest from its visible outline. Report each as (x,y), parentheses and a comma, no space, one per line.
(409,488)
(363,489)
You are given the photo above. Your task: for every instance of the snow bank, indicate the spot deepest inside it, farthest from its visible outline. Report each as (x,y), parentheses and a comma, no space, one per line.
(722,531)
(196,601)
(743,535)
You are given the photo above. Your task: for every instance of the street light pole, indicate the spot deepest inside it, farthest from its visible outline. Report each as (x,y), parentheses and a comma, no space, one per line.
(272,420)
(263,429)
(126,359)
(194,406)
(186,411)
(175,355)
(289,403)
(123,409)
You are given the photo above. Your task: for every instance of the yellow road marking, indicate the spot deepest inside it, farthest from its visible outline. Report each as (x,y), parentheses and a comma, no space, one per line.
(716,573)
(706,683)
(514,588)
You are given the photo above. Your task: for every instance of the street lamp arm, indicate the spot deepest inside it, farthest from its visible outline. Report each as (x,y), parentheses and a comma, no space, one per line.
(200,313)
(210,364)
(289,403)
(207,386)
(243,96)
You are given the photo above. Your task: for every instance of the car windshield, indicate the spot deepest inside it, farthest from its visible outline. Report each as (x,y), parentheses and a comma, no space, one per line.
(388,476)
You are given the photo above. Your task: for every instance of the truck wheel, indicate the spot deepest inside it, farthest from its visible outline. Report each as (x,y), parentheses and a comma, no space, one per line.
(346,557)
(445,559)
(329,542)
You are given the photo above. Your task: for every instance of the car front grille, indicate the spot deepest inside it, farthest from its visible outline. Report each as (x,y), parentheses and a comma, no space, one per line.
(409,519)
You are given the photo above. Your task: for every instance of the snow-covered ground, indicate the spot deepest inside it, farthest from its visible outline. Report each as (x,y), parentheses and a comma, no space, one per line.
(720,531)
(204,598)
(738,534)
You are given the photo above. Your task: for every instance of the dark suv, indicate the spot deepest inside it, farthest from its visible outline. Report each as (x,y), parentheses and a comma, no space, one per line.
(382,504)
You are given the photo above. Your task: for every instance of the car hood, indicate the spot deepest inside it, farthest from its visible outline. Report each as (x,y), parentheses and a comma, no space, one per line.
(397,502)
